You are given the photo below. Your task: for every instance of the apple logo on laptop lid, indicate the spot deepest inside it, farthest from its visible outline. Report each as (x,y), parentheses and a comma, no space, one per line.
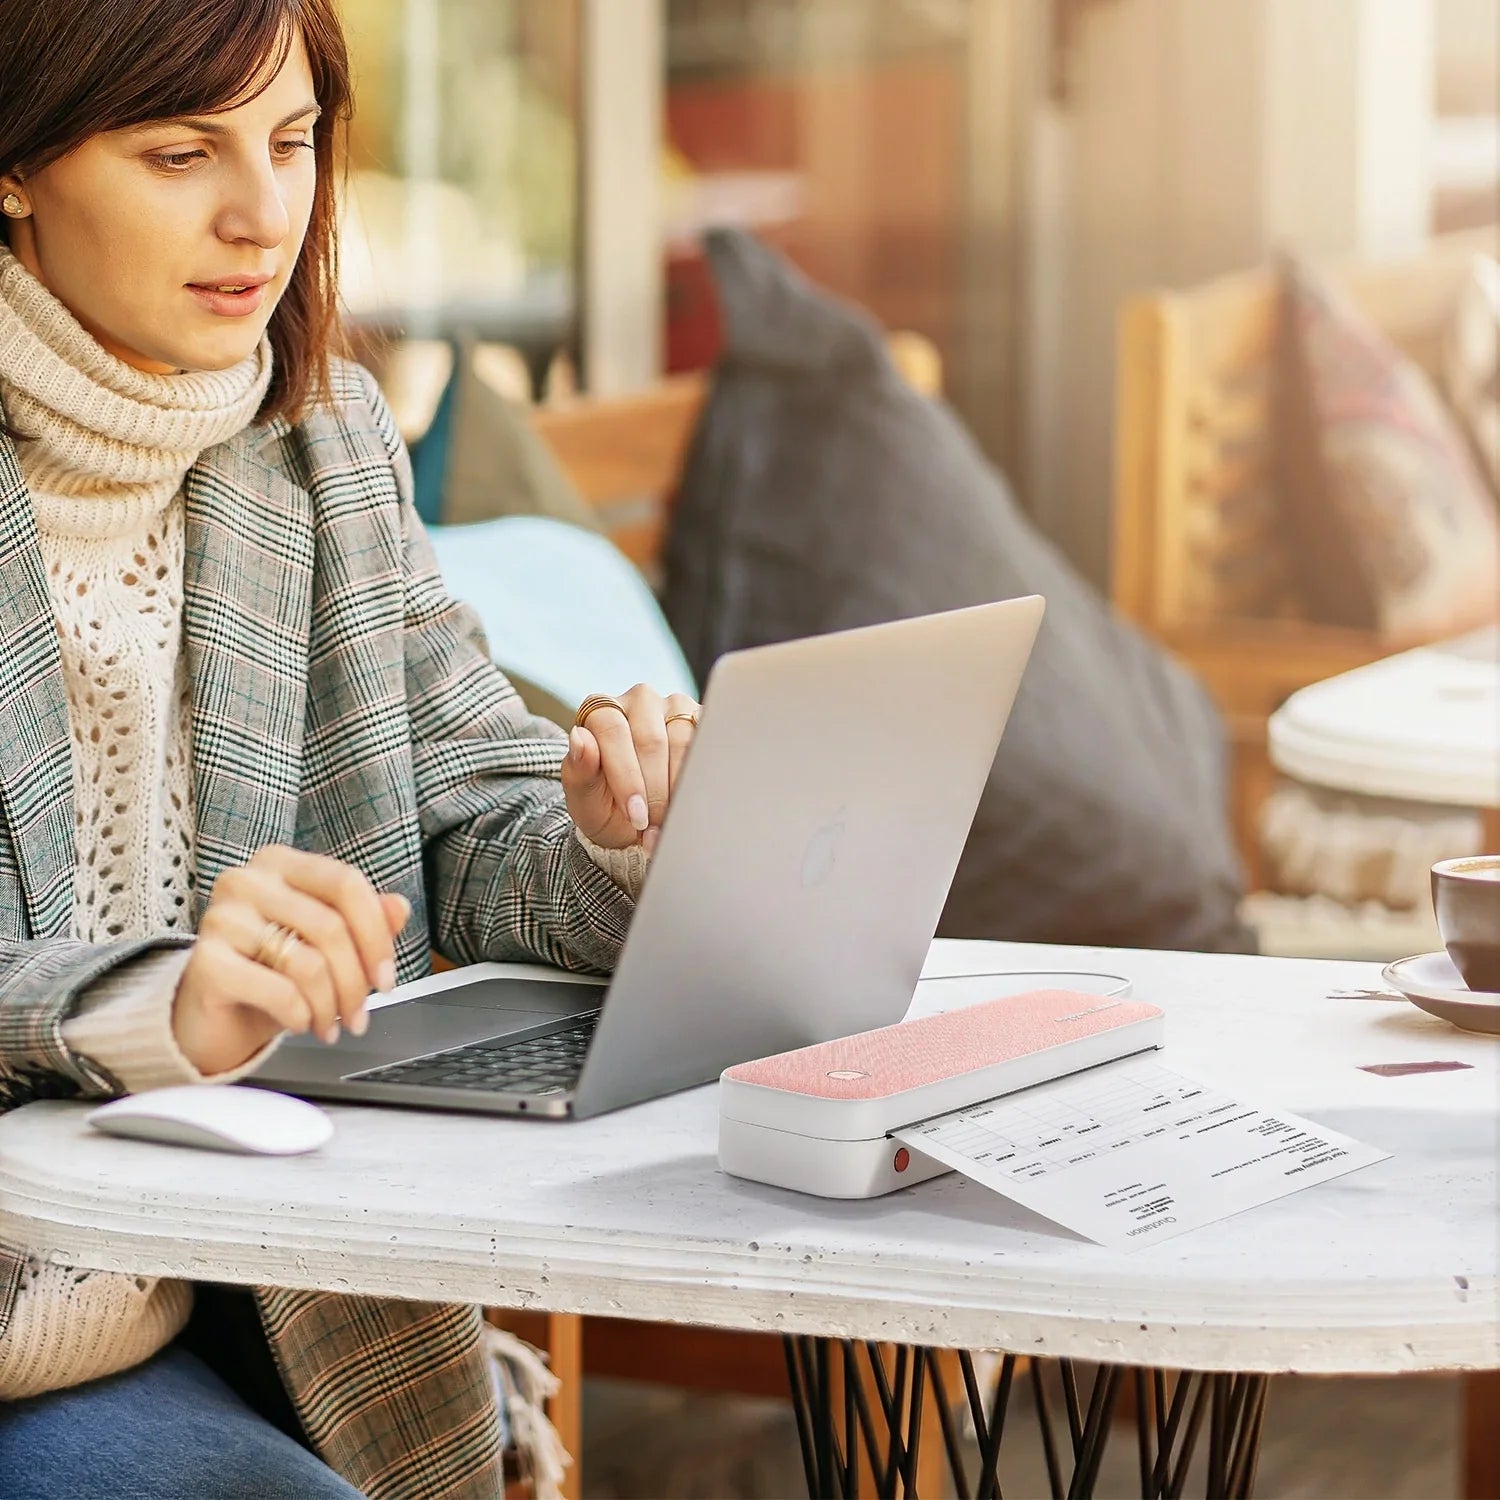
(821,854)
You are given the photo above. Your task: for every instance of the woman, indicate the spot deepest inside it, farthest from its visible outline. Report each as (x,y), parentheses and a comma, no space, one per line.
(255,761)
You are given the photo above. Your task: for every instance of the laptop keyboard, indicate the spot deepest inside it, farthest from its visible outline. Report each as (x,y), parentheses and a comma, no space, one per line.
(548,1064)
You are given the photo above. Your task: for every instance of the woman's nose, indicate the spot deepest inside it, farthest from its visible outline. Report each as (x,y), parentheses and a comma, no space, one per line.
(255,209)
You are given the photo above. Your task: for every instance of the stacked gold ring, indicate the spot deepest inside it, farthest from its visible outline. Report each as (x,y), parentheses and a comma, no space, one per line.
(672,719)
(592,703)
(276,942)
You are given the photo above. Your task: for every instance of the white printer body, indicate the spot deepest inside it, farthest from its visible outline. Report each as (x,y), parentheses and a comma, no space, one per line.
(819,1120)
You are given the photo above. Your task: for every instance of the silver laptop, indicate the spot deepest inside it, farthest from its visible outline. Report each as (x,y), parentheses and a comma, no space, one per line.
(805,859)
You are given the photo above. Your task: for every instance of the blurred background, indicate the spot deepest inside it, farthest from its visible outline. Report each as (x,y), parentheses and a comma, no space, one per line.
(994,174)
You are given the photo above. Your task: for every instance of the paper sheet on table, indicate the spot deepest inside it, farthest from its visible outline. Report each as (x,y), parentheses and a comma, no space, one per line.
(1133,1152)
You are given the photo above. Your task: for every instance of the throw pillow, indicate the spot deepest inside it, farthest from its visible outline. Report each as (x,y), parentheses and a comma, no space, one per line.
(429,454)
(1396,531)
(822,492)
(481,459)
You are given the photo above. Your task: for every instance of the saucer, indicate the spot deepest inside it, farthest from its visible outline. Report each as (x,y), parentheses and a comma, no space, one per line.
(1432,983)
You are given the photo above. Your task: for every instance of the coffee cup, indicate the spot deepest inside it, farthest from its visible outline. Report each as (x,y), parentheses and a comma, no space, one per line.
(1466,901)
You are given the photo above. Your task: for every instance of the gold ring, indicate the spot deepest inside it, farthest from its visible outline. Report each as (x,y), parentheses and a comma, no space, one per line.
(275,943)
(672,719)
(596,701)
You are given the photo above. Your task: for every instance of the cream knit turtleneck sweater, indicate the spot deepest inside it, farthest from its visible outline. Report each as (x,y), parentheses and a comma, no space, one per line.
(109,446)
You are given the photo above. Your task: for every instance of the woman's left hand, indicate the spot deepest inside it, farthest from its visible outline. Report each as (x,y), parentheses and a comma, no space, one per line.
(623,762)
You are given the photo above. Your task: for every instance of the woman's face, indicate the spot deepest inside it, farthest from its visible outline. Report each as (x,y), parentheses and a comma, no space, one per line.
(138,231)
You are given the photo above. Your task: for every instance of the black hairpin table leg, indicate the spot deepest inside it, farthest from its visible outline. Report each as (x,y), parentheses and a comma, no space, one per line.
(860,1410)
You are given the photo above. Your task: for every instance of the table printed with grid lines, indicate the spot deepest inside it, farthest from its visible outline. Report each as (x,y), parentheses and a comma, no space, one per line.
(1133,1152)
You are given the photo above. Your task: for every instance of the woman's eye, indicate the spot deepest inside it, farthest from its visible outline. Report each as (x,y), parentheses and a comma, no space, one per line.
(286,150)
(175,161)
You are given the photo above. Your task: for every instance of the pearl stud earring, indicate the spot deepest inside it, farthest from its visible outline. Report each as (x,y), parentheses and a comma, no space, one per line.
(12,205)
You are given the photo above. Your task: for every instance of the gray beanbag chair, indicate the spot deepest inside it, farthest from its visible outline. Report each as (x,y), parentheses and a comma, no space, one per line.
(821,493)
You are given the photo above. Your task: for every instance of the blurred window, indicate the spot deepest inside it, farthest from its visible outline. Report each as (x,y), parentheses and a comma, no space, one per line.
(838,131)
(1466,109)
(461,213)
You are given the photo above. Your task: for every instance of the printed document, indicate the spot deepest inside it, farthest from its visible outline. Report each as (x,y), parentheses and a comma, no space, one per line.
(1133,1152)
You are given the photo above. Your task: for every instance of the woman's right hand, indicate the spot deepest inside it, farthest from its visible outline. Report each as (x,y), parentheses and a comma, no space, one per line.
(229,1003)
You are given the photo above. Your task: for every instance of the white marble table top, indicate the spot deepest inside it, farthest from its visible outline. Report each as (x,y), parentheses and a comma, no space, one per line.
(1423,726)
(1390,1268)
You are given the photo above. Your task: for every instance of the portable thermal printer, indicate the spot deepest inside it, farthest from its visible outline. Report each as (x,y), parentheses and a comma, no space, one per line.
(819,1119)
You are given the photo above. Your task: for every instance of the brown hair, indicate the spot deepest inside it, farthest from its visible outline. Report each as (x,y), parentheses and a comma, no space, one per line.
(74,68)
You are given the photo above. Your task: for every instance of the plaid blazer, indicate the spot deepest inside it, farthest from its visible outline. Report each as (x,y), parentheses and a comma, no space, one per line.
(342,702)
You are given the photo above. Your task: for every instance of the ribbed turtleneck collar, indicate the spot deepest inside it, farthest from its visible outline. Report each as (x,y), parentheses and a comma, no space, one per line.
(111,443)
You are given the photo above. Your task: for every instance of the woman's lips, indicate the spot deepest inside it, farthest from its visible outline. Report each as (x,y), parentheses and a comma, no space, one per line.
(230,304)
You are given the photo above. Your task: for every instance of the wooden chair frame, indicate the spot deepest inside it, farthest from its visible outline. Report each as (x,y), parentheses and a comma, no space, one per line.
(1194,488)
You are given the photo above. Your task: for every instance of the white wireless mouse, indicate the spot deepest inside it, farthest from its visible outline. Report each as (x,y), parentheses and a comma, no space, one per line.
(218,1118)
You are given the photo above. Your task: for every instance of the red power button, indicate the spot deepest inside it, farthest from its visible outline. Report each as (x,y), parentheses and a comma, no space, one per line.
(903,1159)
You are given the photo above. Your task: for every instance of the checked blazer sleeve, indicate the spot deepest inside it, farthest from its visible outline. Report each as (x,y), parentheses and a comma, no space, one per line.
(506,877)
(41,985)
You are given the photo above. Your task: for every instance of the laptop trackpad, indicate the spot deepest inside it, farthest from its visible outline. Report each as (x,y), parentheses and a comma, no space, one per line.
(419,1026)
(544,997)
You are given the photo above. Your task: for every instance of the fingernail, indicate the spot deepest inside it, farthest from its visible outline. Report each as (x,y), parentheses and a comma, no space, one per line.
(385,976)
(331,1035)
(649,840)
(359,1022)
(575,745)
(635,810)
(405,908)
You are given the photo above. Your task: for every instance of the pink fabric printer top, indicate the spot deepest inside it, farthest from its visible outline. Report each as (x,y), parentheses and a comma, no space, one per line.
(911,1054)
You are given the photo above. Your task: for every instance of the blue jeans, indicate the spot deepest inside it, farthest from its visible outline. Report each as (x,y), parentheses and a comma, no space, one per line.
(169,1429)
